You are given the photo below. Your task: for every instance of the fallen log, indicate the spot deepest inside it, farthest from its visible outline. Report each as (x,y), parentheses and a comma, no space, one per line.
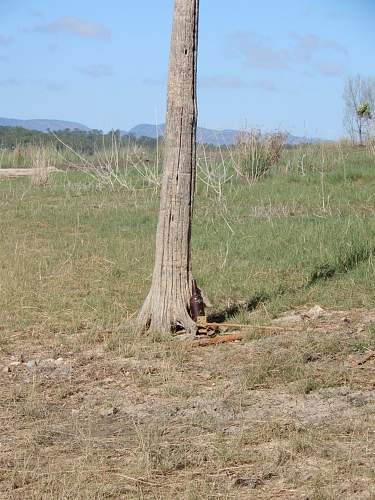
(25,172)
(213,325)
(218,339)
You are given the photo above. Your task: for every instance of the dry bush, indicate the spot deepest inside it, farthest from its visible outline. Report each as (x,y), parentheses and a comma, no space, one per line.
(256,154)
(41,163)
(149,171)
(214,168)
(370,147)
(118,165)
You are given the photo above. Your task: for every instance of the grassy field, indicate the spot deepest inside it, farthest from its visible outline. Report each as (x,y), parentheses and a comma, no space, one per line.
(79,256)
(91,411)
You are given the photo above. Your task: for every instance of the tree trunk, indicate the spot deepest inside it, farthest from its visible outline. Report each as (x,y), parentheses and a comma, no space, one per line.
(167,304)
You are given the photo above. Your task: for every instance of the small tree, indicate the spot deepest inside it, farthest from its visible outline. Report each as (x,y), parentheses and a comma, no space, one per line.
(364,111)
(359,102)
(167,304)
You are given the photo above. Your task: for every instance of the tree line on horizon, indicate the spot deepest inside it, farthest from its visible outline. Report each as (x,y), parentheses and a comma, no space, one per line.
(83,142)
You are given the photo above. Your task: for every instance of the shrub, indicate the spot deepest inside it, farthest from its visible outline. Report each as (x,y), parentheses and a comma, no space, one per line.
(256,154)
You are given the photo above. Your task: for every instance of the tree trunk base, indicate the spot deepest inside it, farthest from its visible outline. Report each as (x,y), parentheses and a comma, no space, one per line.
(165,320)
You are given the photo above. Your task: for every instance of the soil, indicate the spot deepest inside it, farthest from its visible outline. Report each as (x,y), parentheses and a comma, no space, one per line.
(148,419)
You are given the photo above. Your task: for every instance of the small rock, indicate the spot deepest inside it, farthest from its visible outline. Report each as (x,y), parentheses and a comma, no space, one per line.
(31,364)
(108,412)
(250,482)
(205,375)
(59,361)
(315,312)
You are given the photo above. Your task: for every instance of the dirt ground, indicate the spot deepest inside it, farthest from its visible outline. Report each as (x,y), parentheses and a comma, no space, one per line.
(283,414)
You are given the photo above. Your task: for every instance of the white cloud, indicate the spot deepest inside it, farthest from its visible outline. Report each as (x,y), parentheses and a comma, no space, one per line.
(256,51)
(307,46)
(75,26)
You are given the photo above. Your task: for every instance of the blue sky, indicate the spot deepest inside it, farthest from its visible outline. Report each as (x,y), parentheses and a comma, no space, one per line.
(271,64)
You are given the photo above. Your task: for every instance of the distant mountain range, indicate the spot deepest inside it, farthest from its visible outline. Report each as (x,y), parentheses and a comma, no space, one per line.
(224,137)
(43,125)
(204,135)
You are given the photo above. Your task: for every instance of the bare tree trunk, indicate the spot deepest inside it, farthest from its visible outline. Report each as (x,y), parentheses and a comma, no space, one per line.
(167,304)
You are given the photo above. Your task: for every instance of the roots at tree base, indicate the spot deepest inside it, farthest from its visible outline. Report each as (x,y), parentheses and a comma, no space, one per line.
(165,316)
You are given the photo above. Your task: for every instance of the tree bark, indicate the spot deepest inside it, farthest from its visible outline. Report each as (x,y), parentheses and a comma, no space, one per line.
(167,304)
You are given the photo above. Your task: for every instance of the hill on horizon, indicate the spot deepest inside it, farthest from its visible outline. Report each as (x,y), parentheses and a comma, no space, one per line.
(43,125)
(224,137)
(215,137)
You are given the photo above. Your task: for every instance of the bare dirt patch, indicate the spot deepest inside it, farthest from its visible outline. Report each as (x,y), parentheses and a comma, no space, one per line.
(279,415)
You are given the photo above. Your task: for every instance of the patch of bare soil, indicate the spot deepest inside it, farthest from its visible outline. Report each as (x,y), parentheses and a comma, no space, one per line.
(280,415)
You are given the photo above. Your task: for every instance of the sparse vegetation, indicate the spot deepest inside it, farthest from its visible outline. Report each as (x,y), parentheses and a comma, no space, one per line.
(257,154)
(282,414)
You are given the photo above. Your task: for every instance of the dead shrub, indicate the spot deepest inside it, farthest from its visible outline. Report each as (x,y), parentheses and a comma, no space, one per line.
(256,153)
(41,163)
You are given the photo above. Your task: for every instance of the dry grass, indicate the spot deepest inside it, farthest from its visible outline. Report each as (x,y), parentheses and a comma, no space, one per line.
(370,148)
(256,154)
(138,417)
(41,163)
(278,416)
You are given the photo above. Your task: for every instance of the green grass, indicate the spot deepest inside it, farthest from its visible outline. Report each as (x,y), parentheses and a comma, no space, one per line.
(77,257)
(271,412)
